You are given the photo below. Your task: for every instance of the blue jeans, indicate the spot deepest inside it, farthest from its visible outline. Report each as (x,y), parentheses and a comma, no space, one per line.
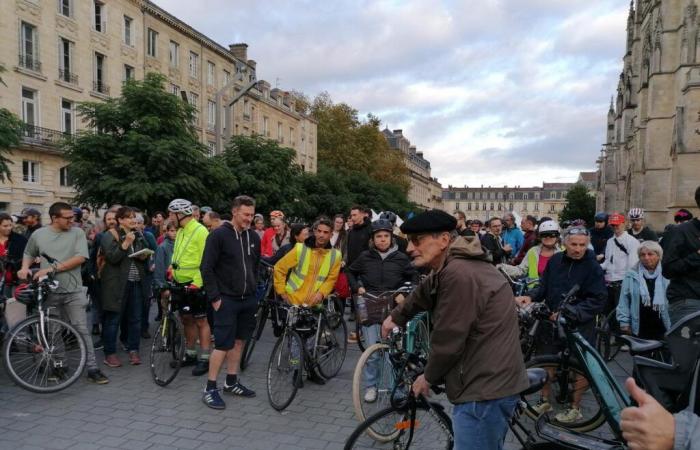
(371,370)
(482,425)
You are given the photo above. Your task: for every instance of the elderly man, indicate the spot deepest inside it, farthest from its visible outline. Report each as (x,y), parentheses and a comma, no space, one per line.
(511,234)
(474,343)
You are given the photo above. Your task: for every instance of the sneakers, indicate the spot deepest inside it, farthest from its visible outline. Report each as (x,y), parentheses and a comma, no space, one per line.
(187,361)
(542,406)
(97,377)
(112,361)
(371,395)
(134,358)
(213,399)
(98,345)
(200,368)
(239,389)
(625,348)
(571,415)
(352,337)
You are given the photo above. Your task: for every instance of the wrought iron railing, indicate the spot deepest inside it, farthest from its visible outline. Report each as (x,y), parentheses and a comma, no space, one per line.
(31,134)
(67,76)
(101,87)
(29,62)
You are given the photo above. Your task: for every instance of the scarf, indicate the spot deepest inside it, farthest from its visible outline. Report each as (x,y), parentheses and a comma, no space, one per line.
(659,302)
(388,252)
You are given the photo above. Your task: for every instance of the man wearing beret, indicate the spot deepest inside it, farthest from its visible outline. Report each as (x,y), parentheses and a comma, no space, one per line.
(475,350)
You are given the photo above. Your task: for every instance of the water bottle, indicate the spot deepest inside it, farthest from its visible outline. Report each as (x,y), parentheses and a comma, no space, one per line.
(361,308)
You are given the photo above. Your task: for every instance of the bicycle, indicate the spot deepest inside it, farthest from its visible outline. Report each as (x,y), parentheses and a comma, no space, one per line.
(263,312)
(168,347)
(378,305)
(608,335)
(290,355)
(43,354)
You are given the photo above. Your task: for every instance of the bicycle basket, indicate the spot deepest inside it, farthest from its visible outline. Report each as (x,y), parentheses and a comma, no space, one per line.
(378,308)
(25,294)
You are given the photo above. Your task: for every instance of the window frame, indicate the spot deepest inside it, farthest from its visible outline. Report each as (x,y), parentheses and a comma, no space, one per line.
(128,31)
(71,115)
(194,65)
(174,54)
(151,43)
(32,176)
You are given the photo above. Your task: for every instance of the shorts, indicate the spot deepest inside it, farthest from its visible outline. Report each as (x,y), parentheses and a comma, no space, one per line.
(548,341)
(235,320)
(190,303)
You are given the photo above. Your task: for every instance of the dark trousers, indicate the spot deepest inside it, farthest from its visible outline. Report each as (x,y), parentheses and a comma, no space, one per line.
(132,309)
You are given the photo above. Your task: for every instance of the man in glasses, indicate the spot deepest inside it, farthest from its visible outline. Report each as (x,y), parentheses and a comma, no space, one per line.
(68,246)
(638,230)
(474,343)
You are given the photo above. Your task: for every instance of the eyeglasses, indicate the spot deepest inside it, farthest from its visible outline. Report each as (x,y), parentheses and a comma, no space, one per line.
(577,231)
(67,217)
(549,235)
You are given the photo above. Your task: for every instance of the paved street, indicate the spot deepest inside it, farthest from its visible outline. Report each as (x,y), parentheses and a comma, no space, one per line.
(131,412)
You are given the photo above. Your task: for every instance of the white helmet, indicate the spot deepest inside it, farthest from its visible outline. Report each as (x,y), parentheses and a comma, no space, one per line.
(548,226)
(181,206)
(636,213)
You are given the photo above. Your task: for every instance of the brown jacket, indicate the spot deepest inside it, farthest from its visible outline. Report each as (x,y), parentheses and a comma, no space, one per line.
(475,348)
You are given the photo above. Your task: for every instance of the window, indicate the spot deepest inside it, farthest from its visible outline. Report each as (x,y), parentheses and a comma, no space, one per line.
(551,208)
(211,146)
(99,80)
(29,107)
(64,177)
(65,7)
(151,43)
(65,63)
(491,207)
(29,48)
(537,206)
(99,23)
(525,196)
(127,30)
(128,72)
(537,195)
(211,73)
(227,77)
(484,207)
(67,116)
(280,138)
(194,101)
(174,89)
(194,65)
(510,207)
(30,171)
(227,117)
(552,195)
(246,109)
(291,136)
(266,126)
(211,115)
(174,54)
(525,206)
(469,206)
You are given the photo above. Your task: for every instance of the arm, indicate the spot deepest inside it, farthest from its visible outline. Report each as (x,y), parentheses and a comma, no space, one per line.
(417,301)
(594,298)
(113,250)
(282,268)
(328,285)
(608,255)
(210,258)
(681,258)
(354,272)
(519,238)
(161,267)
(200,242)
(623,307)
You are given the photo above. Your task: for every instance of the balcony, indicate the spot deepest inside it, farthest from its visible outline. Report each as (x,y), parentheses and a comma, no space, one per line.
(67,76)
(101,87)
(29,62)
(33,135)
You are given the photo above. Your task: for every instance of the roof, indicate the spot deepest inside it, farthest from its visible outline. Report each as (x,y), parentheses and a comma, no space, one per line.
(588,176)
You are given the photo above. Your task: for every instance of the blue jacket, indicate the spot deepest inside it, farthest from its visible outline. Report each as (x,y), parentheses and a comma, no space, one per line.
(515,238)
(630,299)
(562,273)
(164,255)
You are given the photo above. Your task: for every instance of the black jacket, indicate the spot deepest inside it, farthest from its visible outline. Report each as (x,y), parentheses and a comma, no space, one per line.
(378,275)
(599,238)
(645,235)
(681,262)
(15,251)
(562,273)
(491,244)
(230,262)
(358,240)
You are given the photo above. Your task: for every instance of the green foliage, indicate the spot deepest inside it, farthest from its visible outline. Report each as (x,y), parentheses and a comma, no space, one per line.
(10,127)
(143,151)
(579,204)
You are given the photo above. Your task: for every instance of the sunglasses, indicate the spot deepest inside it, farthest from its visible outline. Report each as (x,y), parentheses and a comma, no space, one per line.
(577,232)
(549,235)
(635,220)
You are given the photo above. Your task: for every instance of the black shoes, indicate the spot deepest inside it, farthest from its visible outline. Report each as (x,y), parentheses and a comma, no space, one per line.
(200,368)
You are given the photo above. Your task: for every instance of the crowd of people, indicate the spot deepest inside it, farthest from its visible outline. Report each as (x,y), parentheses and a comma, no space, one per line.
(207,263)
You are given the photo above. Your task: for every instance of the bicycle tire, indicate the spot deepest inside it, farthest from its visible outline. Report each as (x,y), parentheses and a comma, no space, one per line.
(358,333)
(440,438)
(62,336)
(421,340)
(605,333)
(287,372)
(335,343)
(167,350)
(363,410)
(590,408)
(335,311)
(260,319)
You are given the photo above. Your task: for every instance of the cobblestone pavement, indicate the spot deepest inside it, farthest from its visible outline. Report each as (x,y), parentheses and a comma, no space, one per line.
(131,412)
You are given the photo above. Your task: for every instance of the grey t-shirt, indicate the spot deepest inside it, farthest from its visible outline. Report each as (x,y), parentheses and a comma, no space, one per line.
(61,245)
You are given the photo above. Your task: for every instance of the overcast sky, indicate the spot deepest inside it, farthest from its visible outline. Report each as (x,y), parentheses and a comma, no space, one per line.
(493,92)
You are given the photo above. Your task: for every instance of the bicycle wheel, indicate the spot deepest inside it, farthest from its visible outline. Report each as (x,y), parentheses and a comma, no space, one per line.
(422,337)
(374,359)
(43,366)
(334,310)
(331,348)
(361,344)
(260,318)
(607,342)
(285,370)
(167,350)
(564,387)
(432,429)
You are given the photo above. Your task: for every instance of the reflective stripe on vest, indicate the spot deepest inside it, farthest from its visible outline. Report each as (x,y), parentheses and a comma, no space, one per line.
(297,276)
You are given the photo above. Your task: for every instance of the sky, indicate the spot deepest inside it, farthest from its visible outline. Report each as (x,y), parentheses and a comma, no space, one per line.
(493,92)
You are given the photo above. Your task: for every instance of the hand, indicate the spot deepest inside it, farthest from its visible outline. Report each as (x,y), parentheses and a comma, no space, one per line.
(647,426)
(400,299)
(285,297)
(523,300)
(387,326)
(600,257)
(216,305)
(421,386)
(42,273)
(507,248)
(361,291)
(129,238)
(23,274)
(316,299)
(165,293)
(554,316)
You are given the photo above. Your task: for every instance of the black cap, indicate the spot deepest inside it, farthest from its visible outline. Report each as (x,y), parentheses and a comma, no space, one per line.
(432,221)
(30,212)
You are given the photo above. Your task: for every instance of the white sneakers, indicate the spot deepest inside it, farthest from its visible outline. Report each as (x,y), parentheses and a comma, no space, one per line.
(371,395)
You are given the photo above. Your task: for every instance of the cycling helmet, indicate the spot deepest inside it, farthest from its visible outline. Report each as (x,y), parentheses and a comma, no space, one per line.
(181,206)
(636,213)
(25,294)
(601,217)
(548,226)
(578,223)
(388,215)
(682,215)
(78,213)
(566,224)
(382,225)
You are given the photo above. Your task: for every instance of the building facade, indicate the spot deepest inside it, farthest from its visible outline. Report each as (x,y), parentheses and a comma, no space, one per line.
(485,202)
(425,191)
(61,52)
(651,155)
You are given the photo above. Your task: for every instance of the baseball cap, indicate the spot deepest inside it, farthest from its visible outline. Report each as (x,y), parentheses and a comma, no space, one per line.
(616,219)
(29,212)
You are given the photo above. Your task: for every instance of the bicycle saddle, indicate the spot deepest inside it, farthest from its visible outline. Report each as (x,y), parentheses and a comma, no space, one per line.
(638,345)
(536,378)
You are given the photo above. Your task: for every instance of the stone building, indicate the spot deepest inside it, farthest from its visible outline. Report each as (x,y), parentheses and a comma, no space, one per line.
(651,155)
(61,52)
(425,191)
(485,202)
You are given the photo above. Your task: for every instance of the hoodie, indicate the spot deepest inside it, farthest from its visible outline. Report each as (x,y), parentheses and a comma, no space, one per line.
(358,240)
(474,343)
(599,238)
(379,272)
(230,262)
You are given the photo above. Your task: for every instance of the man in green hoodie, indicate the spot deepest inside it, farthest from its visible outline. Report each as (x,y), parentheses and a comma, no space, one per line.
(475,350)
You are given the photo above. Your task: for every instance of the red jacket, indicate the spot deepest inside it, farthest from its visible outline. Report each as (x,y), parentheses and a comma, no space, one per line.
(266,242)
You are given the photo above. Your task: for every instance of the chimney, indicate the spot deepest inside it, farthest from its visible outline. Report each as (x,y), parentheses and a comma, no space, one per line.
(240,51)
(398,132)
(252,63)
(420,154)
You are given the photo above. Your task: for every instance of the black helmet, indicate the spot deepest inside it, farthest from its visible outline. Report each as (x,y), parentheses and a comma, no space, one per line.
(601,217)
(382,225)
(24,294)
(388,215)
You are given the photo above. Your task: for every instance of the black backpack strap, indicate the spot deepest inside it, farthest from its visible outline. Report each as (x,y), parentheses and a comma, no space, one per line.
(620,246)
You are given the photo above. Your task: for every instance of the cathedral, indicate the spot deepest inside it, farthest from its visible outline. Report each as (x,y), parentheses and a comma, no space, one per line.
(651,155)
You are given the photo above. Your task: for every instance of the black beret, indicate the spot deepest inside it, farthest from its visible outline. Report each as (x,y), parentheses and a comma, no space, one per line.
(432,221)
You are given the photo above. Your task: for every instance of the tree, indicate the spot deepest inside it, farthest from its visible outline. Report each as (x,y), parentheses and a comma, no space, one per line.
(10,128)
(141,149)
(579,204)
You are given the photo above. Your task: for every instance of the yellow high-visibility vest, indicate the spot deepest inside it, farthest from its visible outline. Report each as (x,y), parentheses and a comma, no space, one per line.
(296,277)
